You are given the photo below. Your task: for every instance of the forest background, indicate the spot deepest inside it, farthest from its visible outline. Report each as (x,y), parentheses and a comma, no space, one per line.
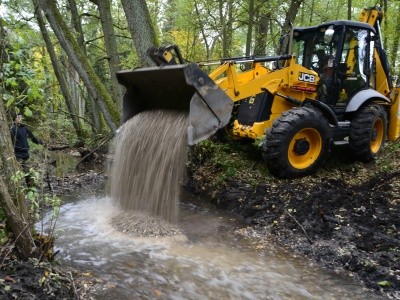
(58,60)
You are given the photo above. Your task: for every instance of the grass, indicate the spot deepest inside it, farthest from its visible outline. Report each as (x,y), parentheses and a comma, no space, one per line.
(242,161)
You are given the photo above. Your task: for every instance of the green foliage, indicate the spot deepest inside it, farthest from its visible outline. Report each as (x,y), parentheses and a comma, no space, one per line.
(38,203)
(17,177)
(22,77)
(3,231)
(384,283)
(231,160)
(57,129)
(28,84)
(386,159)
(60,130)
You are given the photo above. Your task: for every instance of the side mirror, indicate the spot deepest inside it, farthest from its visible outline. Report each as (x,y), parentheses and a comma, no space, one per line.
(329,35)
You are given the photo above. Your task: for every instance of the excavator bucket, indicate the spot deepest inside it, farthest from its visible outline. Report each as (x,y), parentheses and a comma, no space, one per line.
(183,87)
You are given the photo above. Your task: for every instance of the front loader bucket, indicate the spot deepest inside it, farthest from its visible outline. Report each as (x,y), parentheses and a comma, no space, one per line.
(182,87)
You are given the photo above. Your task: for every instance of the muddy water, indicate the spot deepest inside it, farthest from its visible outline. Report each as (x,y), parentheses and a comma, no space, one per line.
(62,164)
(207,261)
(149,163)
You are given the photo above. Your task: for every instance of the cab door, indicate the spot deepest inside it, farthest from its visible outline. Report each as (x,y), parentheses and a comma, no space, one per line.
(355,63)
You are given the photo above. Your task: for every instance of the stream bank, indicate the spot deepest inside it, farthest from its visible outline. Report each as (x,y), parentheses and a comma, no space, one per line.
(344,218)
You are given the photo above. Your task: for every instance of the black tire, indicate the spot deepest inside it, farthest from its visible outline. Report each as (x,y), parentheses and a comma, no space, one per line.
(297,143)
(368,132)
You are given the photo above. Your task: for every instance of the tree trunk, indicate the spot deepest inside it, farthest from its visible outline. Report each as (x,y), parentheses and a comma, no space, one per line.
(202,30)
(225,19)
(80,37)
(80,62)
(141,28)
(76,23)
(291,15)
(395,46)
(20,229)
(311,12)
(250,27)
(59,74)
(349,5)
(110,42)
(170,16)
(262,33)
(385,21)
(8,163)
(16,216)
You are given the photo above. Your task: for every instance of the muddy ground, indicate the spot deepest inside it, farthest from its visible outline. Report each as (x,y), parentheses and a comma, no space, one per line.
(345,217)
(48,280)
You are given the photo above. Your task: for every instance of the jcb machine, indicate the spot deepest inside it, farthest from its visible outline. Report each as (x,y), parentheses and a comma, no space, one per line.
(330,84)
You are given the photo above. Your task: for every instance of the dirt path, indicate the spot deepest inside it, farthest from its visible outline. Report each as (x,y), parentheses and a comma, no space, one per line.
(346,217)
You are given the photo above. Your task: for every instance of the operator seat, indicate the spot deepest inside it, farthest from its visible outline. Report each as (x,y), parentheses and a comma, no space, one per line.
(325,89)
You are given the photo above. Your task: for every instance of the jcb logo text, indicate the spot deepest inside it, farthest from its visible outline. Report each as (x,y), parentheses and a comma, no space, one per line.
(306,77)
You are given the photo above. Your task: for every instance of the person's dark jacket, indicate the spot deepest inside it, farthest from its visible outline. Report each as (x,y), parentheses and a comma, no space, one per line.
(20,134)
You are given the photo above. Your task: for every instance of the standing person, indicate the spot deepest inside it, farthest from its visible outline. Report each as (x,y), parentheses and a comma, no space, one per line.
(20,134)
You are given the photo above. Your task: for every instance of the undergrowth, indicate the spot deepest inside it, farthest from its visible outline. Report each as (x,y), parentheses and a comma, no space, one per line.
(242,160)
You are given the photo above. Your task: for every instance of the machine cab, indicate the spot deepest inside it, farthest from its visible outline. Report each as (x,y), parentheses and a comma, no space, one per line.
(341,52)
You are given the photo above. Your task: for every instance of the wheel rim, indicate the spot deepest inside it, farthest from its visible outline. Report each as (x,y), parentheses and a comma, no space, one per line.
(377,135)
(305,148)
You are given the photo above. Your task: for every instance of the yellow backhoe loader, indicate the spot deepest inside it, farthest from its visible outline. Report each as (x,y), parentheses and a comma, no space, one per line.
(329,85)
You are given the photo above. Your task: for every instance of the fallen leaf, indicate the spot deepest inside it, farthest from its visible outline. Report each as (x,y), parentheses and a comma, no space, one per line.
(9,278)
(384,283)
(158,293)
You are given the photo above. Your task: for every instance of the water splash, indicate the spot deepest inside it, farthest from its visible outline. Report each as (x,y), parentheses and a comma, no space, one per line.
(149,163)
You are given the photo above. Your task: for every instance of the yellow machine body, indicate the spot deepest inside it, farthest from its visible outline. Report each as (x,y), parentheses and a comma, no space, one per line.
(247,85)
(330,84)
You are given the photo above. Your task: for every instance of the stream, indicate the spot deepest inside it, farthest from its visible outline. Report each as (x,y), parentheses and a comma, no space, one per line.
(207,261)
